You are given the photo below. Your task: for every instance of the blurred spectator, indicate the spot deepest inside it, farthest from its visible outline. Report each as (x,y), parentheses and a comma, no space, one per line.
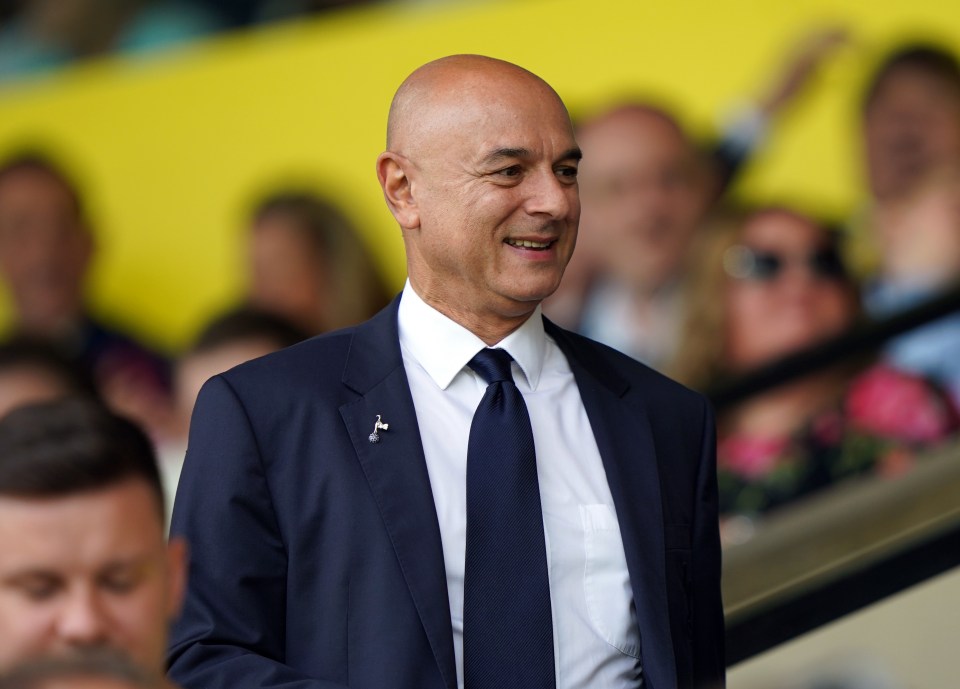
(87,669)
(45,250)
(51,33)
(643,193)
(910,127)
(910,244)
(227,341)
(32,372)
(919,241)
(83,558)
(644,189)
(309,266)
(765,284)
(911,119)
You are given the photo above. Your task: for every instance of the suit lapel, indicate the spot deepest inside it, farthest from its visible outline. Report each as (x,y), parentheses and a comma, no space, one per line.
(623,435)
(396,471)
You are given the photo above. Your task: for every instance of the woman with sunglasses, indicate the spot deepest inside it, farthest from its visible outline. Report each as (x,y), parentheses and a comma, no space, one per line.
(766,283)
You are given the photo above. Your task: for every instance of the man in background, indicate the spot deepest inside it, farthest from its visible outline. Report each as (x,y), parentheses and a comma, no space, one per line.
(46,247)
(645,190)
(84,562)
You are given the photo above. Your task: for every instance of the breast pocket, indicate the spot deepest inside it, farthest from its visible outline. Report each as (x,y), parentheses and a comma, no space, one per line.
(606,581)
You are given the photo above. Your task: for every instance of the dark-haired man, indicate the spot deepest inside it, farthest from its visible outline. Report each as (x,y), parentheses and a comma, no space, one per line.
(84,562)
(911,131)
(911,119)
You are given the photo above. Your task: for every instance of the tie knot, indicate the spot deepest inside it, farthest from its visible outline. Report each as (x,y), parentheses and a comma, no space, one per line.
(493,365)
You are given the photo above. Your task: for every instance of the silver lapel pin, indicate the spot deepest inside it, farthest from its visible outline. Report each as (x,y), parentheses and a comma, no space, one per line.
(378,426)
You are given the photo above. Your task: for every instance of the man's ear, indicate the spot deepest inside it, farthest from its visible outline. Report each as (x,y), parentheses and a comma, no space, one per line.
(393,171)
(177,561)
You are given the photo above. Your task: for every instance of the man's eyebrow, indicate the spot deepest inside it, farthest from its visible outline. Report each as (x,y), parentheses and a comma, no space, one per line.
(20,576)
(139,565)
(500,154)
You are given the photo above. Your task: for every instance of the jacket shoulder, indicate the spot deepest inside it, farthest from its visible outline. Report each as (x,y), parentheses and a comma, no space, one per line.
(615,368)
(314,362)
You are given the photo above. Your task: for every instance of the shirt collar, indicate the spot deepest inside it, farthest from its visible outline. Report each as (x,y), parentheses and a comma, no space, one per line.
(443,347)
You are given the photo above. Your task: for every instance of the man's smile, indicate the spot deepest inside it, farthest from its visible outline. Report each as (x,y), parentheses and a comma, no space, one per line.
(530,243)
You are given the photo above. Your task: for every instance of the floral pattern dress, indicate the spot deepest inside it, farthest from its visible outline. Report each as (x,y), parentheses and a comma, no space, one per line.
(884,421)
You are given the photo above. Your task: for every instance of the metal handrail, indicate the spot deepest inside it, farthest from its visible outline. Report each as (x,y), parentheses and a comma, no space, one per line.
(865,337)
(841,550)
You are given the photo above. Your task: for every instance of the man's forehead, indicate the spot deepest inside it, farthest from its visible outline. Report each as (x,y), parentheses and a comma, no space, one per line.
(33,182)
(33,549)
(635,124)
(628,141)
(493,155)
(465,91)
(127,506)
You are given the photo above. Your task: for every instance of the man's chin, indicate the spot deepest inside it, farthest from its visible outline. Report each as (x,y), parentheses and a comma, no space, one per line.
(525,301)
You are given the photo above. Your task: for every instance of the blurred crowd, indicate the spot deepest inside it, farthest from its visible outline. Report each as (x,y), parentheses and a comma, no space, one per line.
(670,269)
(39,35)
(675,271)
(308,272)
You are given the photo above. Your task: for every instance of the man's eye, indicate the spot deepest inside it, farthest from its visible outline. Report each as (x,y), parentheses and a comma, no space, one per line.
(123,582)
(512,171)
(40,590)
(567,171)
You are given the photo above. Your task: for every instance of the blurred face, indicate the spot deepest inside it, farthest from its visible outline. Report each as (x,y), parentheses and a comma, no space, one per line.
(912,126)
(85,571)
(44,250)
(287,277)
(784,290)
(642,196)
(193,370)
(494,183)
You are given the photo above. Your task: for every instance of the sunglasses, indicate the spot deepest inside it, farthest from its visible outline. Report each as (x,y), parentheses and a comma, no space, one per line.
(743,263)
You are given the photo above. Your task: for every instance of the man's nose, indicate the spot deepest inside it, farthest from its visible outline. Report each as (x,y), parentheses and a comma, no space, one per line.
(82,620)
(550,196)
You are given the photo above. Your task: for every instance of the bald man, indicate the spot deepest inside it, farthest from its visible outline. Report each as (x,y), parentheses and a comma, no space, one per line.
(456,493)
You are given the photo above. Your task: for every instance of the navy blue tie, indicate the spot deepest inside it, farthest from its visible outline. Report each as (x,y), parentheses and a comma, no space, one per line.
(507,625)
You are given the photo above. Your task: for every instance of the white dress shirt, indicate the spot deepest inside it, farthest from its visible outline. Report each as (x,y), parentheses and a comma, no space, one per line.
(595,634)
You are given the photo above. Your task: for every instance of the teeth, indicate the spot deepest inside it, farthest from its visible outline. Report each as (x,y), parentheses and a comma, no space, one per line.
(526,244)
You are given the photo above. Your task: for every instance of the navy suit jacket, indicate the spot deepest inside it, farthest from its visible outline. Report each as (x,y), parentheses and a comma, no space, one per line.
(316,556)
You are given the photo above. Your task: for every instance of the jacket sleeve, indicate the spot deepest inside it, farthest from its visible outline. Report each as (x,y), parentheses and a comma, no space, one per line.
(231,633)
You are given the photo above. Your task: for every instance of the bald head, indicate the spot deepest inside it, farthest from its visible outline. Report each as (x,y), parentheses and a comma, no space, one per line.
(440,93)
(480,173)
(638,117)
